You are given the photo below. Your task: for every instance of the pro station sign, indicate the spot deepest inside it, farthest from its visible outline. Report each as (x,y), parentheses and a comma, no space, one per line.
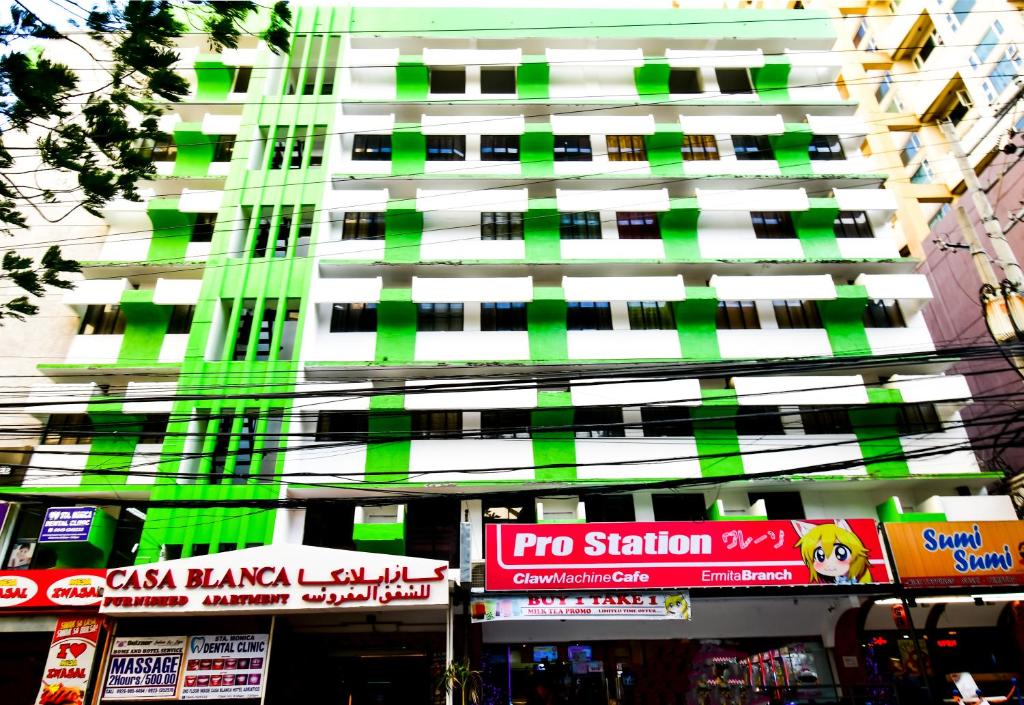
(655,555)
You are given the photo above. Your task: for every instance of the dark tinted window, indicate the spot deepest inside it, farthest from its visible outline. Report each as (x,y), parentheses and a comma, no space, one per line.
(679,507)
(497,79)
(448,80)
(589,315)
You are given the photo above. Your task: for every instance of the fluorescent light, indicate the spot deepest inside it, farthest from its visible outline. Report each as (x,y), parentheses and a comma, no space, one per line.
(889,601)
(1000,597)
(136,512)
(944,600)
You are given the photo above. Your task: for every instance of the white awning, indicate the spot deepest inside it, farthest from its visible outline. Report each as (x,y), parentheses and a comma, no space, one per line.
(732,124)
(169,292)
(221,124)
(800,390)
(768,288)
(576,200)
(473,124)
(672,392)
(608,58)
(751,200)
(473,200)
(347,290)
(896,286)
(841,125)
(724,58)
(472,57)
(603,124)
(454,289)
(358,200)
(857,199)
(366,124)
(96,291)
(200,201)
(624,288)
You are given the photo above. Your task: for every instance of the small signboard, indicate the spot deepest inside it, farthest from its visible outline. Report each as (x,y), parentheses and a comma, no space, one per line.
(67,524)
(144,668)
(69,662)
(226,666)
(620,605)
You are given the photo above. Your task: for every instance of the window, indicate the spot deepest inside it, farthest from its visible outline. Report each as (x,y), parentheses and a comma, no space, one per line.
(959,12)
(363,226)
(737,315)
(298,147)
(684,81)
(987,45)
(650,315)
(638,226)
(305,234)
(884,86)
(733,81)
(797,314)
(960,105)
(759,421)
(284,231)
(666,421)
(609,507)
(589,315)
(1003,74)
(353,318)
(245,320)
(446,148)
(772,225)
(371,148)
(436,424)
(499,148)
(883,313)
(780,505)
(202,229)
(67,430)
(626,148)
(342,426)
(102,319)
(259,245)
(316,150)
(928,44)
(573,148)
(825,148)
(580,226)
(700,148)
(911,149)
(862,31)
(752,148)
(679,507)
(224,148)
(825,421)
(181,319)
(852,224)
(439,317)
(498,79)
(243,74)
(507,423)
(923,174)
(500,514)
(503,315)
(595,422)
(918,418)
(447,80)
(154,429)
(501,226)
(159,150)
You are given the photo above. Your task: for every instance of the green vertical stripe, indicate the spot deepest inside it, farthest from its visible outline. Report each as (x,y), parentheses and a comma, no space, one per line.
(532,80)
(550,447)
(540,235)
(545,320)
(717,435)
(403,235)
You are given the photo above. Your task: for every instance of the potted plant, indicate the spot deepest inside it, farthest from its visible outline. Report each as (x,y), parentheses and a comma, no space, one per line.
(459,676)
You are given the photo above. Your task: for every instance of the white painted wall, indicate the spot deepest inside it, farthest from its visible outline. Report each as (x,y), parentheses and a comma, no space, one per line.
(797,342)
(61,470)
(610,450)
(472,345)
(730,235)
(455,460)
(97,349)
(788,452)
(623,344)
(173,348)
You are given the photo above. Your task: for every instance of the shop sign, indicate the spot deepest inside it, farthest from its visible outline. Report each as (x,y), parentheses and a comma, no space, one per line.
(279,578)
(960,553)
(144,668)
(76,587)
(69,661)
(618,605)
(225,666)
(67,524)
(649,555)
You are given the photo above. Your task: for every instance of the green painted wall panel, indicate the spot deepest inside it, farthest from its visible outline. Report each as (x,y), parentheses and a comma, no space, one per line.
(714,430)
(545,320)
(408,152)
(814,228)
(172,230)
(145,327)
(390,456)
(695,320)
(877,435)
(791,150)
(536,151)
(652,81)
(772,80)
(540,235)
(403,235)
(195,151)
(213,80)
(412,80)
(679,234)
(663,152)
(532,80)
(843,318)
(396,326)
(557,446)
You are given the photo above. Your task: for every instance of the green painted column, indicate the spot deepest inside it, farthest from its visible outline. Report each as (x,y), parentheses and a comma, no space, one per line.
(536,151)
(771,81)
(213,79)
(554,409)
(814,228)
(172,230)
(541,236)
(545,320)
(532,80)
(195,150)
(843,318)
(714,430)
(652,81)
(695,321)
(791,149)
(876,429)
(408,152)
(393,426)
(396,327)
(403,233)
(679,233)
(664,152)
(111,451)
(145,327)
(412,80)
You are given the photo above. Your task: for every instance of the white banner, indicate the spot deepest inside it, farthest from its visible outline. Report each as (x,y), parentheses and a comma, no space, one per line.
(226,666)
(144,668)
(652,605)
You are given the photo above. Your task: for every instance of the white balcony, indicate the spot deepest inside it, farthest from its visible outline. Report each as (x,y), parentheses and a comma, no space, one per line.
(623,344)
(145,462)
(463,247)
(603,451)
(94,349)
(768,288)
(343,347)
(328,465)
(973,508)
(173,348)
(522,396)
(148,390)
(60,398)
(800,390)
(57,469)
(469,459)
(681,392)
(434,346)
(788,452)
(885,341)
(770,342)
(611,249)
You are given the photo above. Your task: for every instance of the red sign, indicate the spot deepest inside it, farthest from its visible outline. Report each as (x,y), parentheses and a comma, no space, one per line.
(68,587)
(69,663)
(681,554)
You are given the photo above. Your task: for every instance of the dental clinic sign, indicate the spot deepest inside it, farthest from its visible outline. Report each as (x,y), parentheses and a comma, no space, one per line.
(962,553)
(683,554)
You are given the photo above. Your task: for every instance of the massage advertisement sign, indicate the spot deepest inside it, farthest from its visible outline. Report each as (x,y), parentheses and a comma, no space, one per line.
(962,553)
(664,554)
(144,668)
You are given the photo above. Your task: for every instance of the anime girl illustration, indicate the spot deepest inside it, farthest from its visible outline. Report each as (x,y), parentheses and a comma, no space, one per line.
(832,553)
(677,606)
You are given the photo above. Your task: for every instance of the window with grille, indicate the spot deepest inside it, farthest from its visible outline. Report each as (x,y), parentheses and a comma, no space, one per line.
(797,314)
(883,313)
(626,148)
(752,148)
(243,74)
(596,422)
(501,226)
(588,315)
(446,148)
(759,421)
(666,421)
(498,80)
(573,148)
(737,315)
(825,421)
(439,317)
(450,80)
(684,81)
(371,148)
(918,418)
(202,229)
(354,318)
(650,315)
(499,148)
(102,319)
(436,424)
(733,80)
(506,423)
(67,430)
(363,226)
(772,225)
(342,427)
(852,224)
(181,319)
(580,226)
(503,315)
(224,148)
(825,148)
(638,226)
(700,148)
